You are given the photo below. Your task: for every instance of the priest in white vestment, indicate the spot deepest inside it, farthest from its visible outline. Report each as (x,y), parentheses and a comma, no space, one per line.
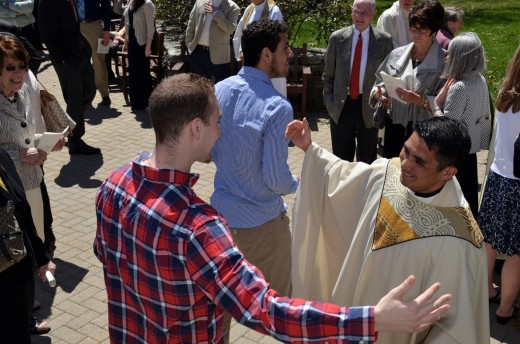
(360,229)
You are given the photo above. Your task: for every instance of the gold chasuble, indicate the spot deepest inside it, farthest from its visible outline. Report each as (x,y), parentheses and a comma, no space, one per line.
(401,217)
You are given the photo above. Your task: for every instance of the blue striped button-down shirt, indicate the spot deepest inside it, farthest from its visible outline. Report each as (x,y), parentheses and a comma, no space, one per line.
(251,154)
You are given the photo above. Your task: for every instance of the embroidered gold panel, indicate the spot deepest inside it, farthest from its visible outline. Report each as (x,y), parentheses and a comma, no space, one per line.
(402,217)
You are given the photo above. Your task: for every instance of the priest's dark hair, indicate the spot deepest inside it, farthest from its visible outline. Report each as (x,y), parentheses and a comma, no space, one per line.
(448,137)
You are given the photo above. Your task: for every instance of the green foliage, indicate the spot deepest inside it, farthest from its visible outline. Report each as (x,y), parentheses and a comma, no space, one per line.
(173,16)
(326,16)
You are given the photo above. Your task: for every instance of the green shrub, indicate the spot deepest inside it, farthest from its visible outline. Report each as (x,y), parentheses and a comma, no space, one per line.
(327,16)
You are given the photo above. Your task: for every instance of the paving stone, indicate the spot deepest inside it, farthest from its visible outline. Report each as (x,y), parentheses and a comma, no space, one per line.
(94,332)
(67,335)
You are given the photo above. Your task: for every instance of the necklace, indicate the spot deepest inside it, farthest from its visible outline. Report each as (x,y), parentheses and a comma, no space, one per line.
(12,99)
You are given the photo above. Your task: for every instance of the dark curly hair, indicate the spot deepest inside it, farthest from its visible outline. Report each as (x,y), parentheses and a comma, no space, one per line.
(258,35)
(428,14)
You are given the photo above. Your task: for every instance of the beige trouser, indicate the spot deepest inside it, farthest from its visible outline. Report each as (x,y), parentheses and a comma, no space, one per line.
(268,247)
(93,31)
(35,200)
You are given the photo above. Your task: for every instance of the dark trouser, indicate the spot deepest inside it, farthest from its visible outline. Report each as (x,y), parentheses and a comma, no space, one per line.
(50,239)
(467,175)
(16,302)
(349,127)
(200,63)
(395,136)
(79,89)
(31,33)
(139,76)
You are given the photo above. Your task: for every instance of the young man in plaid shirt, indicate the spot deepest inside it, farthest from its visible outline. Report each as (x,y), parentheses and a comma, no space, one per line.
(170,265)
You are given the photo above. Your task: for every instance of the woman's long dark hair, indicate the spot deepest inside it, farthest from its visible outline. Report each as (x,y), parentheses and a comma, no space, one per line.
(135,4)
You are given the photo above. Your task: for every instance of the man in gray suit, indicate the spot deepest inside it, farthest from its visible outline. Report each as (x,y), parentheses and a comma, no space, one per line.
(347,80)
(207,37)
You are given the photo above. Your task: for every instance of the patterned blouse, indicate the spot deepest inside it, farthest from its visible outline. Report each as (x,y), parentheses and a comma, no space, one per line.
(17,131)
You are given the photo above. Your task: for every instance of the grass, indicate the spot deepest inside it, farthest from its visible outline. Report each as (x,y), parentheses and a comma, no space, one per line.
(496,23)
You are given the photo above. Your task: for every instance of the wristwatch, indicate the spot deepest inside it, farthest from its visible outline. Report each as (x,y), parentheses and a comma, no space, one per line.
(425,102)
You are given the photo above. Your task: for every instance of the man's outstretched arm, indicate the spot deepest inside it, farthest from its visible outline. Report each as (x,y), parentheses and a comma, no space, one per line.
(392,314)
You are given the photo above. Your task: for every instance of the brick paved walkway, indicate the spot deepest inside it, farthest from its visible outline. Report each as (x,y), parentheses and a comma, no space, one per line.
(76,308)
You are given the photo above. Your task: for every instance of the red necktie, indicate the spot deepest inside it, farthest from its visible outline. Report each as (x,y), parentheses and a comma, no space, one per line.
(356,66)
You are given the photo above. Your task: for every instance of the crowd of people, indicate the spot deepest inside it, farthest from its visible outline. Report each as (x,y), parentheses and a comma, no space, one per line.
(361,224)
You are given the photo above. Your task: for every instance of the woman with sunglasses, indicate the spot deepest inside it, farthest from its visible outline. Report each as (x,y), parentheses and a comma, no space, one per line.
(18,133)
(419,66)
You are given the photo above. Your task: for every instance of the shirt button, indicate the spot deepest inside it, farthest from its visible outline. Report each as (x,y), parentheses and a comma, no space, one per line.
(27,141)
(23,124)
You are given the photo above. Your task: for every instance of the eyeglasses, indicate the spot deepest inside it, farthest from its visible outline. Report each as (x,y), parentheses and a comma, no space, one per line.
(358,13)
(419,31)
(21,68)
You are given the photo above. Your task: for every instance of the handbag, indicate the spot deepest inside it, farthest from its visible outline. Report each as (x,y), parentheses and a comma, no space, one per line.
(516,158)
(380,116)
(56,120)
(12,248)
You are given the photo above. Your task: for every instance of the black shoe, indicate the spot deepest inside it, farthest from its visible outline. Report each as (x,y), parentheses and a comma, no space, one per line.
(504,320)
(106,101)
(39,327)
(84,150)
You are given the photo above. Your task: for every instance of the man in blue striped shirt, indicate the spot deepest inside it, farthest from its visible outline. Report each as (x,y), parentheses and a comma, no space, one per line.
(251,155)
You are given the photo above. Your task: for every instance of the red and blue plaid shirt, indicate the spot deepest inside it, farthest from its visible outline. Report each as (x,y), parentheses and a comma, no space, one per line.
(171,269)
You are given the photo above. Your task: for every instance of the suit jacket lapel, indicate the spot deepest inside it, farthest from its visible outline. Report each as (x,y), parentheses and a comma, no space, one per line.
(346,49)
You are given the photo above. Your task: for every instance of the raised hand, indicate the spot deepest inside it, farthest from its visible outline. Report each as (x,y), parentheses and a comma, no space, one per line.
(299,133)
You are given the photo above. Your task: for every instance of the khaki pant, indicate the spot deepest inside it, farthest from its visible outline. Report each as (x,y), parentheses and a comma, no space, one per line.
(268,247)
(93,31)
(35,200)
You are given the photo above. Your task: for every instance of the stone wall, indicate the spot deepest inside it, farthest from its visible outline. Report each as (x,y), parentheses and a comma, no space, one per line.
(315,85)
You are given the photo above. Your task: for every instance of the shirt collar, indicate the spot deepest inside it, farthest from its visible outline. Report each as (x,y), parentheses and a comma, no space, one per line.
(364,34)
(255,73)
(162,175)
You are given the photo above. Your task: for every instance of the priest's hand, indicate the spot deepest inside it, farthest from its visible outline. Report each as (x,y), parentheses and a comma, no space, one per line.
(299,133)
(394,315)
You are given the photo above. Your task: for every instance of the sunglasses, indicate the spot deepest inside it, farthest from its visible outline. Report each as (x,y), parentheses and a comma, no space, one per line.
(21,68)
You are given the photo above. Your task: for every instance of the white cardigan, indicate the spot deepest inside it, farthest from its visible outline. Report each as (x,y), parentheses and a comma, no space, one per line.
(144,23)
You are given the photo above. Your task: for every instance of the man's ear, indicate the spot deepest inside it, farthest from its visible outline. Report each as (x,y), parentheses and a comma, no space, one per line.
(449,172)
(195,126)
(266,55)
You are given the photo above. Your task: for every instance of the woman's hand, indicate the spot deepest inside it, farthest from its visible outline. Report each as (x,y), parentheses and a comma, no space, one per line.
(443,93)
(409,97)
(381,99)
(49,266)
(147,51)
(59,145)
(32,156)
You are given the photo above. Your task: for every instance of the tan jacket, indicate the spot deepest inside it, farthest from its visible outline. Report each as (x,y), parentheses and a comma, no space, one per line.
(223,25)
